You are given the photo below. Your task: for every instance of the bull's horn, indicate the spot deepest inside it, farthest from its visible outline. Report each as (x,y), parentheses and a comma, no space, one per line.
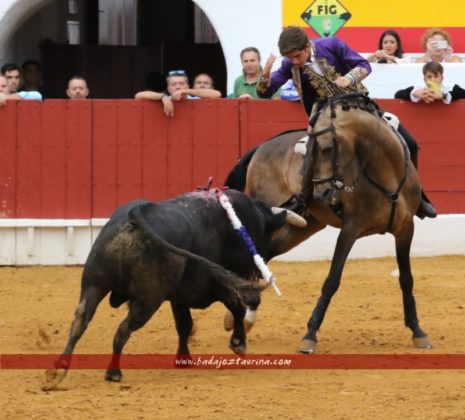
(291,217)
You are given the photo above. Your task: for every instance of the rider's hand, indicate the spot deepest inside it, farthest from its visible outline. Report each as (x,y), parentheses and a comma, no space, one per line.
(342,82)
(268,65)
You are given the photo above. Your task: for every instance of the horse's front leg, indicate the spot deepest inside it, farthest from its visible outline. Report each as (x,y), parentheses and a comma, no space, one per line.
(403,242)
(344,244)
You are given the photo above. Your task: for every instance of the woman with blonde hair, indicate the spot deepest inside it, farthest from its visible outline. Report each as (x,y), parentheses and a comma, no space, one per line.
(437,44)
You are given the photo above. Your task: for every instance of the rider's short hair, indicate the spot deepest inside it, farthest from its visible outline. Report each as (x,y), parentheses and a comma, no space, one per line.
(292,38)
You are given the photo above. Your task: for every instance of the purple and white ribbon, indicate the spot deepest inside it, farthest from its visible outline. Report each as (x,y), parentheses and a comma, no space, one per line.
(242,232)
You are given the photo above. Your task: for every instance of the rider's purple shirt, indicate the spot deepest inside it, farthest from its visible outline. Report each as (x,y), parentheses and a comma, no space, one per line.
(331,58)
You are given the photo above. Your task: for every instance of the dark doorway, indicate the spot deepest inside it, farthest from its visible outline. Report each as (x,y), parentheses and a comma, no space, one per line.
(168,38)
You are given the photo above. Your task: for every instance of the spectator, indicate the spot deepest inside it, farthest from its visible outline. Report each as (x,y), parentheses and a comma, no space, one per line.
(6,95)
(437,44)
(389,49)
(178,89)
(13,76)
(77,88)
(203,81)
(32,76)
(245,86)
(289,92)
(433,88)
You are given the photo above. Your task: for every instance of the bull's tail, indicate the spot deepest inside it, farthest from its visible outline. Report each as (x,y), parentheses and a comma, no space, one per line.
(236,179)
(240,290)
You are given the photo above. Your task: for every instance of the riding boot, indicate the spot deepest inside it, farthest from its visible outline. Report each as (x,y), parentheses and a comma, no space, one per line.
(426,208)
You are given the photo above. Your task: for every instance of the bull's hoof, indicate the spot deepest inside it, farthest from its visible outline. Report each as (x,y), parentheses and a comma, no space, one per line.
(53,378)
(307,346)
(228,321)
(113,375)
(422,342)
(237,347)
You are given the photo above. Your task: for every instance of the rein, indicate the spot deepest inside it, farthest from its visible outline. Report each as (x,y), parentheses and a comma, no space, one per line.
(336,179)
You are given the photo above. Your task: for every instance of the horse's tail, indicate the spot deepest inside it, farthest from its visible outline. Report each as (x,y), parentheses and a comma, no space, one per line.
(237,177)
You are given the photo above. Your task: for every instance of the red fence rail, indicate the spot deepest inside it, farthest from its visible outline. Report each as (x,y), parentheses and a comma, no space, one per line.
(81,159)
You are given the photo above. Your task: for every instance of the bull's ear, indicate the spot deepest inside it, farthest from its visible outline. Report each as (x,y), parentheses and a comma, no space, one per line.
(291,217)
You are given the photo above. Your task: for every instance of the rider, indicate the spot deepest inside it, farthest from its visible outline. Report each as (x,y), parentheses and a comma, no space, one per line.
(335,69)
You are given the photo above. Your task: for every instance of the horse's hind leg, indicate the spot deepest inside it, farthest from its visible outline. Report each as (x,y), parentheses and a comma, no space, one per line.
(344,244)
(139,313)
(403,242)
(90,298)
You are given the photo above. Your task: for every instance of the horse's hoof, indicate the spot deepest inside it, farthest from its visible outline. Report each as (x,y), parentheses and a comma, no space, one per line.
(238,348)
(53,378)
(113,375)
(228,321)
(307,346)
(422,342)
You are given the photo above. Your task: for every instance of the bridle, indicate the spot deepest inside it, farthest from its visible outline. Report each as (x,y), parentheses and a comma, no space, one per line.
(337,179)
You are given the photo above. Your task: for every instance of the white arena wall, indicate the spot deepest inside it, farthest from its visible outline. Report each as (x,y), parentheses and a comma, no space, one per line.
(68,242)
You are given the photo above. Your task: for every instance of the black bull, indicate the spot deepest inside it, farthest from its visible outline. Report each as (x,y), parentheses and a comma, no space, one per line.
(184,250)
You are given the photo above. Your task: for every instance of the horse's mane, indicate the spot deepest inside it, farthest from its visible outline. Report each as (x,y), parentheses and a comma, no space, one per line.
(347,101)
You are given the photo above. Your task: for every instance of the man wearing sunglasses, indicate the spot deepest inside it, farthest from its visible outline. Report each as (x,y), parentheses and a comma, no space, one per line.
(177,89)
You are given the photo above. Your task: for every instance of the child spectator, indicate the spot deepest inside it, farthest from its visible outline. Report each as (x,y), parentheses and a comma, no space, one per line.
(433,89)
(437,44)
(389,49)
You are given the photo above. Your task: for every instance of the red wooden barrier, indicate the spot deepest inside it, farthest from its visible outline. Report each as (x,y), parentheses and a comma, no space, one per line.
(81,159)
(8,162)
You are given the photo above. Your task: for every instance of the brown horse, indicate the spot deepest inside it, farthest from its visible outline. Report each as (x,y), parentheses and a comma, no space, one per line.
(357,176)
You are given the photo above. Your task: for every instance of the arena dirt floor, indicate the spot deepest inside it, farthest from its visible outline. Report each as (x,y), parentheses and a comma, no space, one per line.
(37,306)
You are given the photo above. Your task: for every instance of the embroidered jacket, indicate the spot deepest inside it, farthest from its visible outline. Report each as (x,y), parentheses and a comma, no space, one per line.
(331,58)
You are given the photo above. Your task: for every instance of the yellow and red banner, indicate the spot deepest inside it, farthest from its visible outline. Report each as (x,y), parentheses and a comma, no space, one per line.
(363,21)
